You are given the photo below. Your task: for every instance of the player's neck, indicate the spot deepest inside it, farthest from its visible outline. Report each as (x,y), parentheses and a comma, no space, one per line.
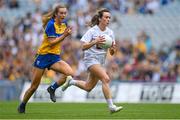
(102,27)
(58,22)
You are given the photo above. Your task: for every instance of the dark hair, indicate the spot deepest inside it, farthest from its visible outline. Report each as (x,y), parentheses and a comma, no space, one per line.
(51,14)
(95,18)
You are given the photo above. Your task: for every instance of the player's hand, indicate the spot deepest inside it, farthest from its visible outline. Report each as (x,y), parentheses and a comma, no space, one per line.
(68,31)
(113,46)
(100,40)
(113,49)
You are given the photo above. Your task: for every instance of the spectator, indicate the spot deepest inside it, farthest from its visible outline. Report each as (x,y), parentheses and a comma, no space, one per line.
(13,4)
(131,62)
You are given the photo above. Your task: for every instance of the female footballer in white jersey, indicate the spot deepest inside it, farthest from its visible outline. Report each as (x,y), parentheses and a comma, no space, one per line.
(94,57)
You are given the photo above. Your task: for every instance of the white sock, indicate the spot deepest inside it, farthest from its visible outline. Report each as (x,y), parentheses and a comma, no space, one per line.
(72,82)
(109,102)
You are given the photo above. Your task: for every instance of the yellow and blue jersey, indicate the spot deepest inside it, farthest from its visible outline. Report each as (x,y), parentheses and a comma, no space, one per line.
(48,55)
(52,30)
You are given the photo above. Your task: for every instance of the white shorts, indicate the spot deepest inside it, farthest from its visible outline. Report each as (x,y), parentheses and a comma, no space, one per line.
(90,60)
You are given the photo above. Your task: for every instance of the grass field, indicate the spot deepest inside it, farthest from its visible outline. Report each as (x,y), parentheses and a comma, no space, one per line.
(89,111)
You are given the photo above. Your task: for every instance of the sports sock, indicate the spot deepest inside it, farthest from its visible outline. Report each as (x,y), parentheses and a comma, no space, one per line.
(109,102)
(72,82)
(54,86)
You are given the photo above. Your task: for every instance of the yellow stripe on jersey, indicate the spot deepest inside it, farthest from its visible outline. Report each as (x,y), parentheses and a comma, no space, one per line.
(59,29)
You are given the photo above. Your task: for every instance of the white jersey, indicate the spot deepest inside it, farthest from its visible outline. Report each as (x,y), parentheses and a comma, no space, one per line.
(91,34)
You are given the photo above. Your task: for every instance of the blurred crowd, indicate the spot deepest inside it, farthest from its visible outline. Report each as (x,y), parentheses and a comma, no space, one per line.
(135,60)
(124,6)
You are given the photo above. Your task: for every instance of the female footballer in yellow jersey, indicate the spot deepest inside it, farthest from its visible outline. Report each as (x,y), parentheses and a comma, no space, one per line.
(48,54)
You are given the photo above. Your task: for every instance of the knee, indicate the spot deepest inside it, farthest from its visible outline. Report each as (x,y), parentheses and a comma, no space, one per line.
(106,79)
(88,88)
(70,73)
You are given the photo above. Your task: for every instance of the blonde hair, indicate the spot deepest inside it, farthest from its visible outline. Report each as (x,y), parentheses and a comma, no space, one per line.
(95,18)
(51,14)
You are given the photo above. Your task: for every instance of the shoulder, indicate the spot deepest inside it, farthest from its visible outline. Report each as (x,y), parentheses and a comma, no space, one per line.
(65,21)
(109,30)
(93,29)
(50,23)
(50,28)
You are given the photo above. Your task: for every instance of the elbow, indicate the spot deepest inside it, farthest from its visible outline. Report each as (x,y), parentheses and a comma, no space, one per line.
(51,44)
(83,47)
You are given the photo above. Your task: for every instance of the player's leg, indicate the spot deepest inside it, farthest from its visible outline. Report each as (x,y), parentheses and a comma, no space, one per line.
(37,74)
(100,73)
(66,70)
(85,85)
(51,89)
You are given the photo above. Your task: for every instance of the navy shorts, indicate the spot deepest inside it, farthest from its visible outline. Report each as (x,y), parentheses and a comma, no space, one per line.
(45,61)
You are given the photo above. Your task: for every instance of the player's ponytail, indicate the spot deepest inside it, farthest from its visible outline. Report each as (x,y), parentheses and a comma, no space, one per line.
(97,16)
(46,18)
(51,14)
(94,20)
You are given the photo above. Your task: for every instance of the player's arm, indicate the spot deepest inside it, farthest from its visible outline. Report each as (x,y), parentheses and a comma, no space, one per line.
(54,41)
(98,40)
(112,49)
(88,45)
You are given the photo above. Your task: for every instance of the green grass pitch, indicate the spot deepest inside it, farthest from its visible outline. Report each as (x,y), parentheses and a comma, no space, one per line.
(89,111)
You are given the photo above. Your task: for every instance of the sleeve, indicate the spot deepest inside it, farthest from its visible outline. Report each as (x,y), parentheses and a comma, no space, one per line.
(50,30)
(87,37)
